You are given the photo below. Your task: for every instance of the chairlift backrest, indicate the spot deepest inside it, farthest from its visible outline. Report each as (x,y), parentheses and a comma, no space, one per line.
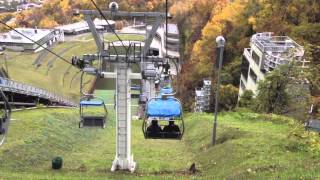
(313,125)
(164,108)
(90,120)
(91,103)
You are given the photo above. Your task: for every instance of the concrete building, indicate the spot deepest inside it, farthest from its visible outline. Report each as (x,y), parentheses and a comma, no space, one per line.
(82,27)
(202,98)
(14,41)
(266,53)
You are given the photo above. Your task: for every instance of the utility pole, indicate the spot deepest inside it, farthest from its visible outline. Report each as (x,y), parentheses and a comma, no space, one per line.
(220,44)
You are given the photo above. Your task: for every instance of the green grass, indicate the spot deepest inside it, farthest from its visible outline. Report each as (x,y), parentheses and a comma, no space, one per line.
(60,78)
(112,37)
(126,37)
(250,146)
(57,79)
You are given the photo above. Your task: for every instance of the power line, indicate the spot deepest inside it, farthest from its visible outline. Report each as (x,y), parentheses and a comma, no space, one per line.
(40,45)
(104,17)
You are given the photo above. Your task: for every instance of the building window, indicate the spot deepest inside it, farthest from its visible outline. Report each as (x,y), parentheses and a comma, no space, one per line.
(256,58)
(253,75)
(244,67)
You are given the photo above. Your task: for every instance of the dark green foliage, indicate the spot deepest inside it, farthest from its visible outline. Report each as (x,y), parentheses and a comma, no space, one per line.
(246,100)
(228,97)
(307,32)
(272,95)
(313,55)
(231,73)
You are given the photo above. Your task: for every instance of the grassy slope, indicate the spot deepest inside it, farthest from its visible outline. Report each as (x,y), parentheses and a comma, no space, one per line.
(21,68)
(250,146)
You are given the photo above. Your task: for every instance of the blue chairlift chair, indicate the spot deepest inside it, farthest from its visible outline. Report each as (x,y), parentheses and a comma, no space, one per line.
(161,112)
(92,119)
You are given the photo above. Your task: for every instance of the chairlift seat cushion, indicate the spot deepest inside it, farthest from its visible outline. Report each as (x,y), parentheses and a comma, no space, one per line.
(163,135)
(93,121)
(164,108)
(91,103)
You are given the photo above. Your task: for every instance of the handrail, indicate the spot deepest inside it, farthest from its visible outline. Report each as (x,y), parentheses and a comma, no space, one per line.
(6,83)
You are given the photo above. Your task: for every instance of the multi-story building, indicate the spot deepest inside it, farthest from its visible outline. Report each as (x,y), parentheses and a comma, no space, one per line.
(267,52)
(202,98)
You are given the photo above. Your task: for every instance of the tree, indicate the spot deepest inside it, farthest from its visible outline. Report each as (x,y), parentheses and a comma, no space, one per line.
(272,93)
(228,97)
(246,99)
(47,22)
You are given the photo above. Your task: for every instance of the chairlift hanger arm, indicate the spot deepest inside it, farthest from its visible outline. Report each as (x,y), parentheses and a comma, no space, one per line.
(151,35)
(95,34)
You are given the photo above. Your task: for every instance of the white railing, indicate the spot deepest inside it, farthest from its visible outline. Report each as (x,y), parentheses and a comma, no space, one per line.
(274,43)
(13,86)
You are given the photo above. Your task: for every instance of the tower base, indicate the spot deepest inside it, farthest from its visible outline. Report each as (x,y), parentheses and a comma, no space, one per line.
(123,164)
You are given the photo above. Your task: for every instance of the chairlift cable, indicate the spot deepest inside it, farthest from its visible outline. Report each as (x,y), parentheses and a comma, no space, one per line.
(166,47)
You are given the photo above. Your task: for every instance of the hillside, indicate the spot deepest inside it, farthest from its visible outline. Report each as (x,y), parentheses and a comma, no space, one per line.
(46,71)
(201,21)
(250,146)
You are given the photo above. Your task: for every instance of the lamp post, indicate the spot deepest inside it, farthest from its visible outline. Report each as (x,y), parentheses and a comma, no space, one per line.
(220,44)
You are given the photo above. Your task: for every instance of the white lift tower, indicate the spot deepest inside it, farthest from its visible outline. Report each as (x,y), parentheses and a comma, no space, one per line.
(124,158)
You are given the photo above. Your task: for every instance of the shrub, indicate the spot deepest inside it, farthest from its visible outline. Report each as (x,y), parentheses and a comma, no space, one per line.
(246,99)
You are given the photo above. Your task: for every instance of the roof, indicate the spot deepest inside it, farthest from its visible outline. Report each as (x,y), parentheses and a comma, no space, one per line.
(28,5)
(34,34)
(82,25)
(103,22)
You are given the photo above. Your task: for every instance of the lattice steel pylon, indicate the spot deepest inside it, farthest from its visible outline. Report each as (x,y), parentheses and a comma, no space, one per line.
(124,158)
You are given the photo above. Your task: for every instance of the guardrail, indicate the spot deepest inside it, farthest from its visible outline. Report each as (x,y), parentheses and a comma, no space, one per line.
(17,87)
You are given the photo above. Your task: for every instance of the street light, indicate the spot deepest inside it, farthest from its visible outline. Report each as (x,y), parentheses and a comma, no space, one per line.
(220,44)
